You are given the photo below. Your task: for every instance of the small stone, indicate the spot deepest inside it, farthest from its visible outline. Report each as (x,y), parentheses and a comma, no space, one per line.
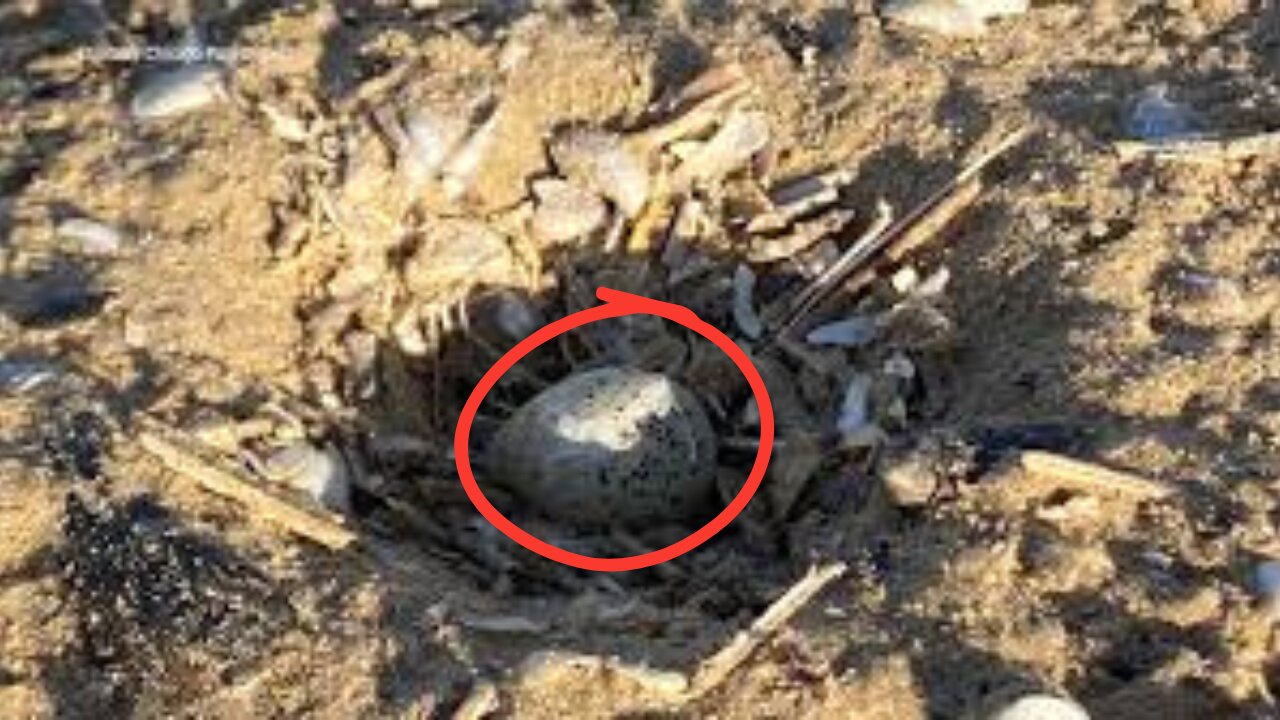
(744,312)
(1266,581)
(1155,117)
(601,162)
(22,376)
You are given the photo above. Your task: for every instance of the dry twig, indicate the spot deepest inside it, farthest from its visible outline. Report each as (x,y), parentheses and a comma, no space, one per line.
(717,668)
(324,528)
(1089,476)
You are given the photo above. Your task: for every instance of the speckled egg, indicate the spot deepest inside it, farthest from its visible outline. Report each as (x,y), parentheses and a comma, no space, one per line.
(610,445)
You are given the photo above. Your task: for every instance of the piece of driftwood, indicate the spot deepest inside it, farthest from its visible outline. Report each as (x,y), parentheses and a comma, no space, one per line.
(908,232)
(716,669)
(1201,149)
(1088,475)
(186,462)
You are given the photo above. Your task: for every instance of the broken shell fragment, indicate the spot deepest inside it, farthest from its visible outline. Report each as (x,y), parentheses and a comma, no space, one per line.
(178,91)
(321,473)
(92,237)
(609,445)
(1042,707)
(461,167)
(600,161)
(431,137)
(856,331)
(955,18)
(565,211)
(744,312)
(739,138)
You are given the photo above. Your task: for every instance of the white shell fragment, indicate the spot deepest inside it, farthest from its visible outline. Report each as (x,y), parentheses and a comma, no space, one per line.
(321,473)
(744,312)
(741,137)
(1042,707)
(460,169)
(93,237)
(178,91)
(954,18)
(609,445)
(22,376)
(565,211)
(856,331)
(431,138)
(600,161)
(855,409)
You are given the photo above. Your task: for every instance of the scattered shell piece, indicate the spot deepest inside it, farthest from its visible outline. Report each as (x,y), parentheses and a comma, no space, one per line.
(798,198)
(178,91)
(321,473)
(730,149)
(565,211)
(855,409)
(1266,580)
(909,477)
(431,137)
(503,624)
(609,445)
(856,331)
(944,17)
(934,285)
(93,237)
(1042,707)
(460,169)
(286,126)
(801,238)
(744,313)
(1156,118)
(21,376)
(600,161)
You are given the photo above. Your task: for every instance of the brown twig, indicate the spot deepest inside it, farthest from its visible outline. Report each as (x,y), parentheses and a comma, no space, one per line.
(321,527)
(900,236)
(716,669)
(1089,476)
(1201,149)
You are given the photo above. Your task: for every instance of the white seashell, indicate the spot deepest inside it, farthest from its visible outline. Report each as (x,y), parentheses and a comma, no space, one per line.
(855,409)
(178,91)
(320,473)
(744,313)
(945,17)
(600,161)
(857,331)
(740,137)
(565,211)
(934,285)
(1042,707)
(995,8)
(609,445)
(905,280)
(93,237)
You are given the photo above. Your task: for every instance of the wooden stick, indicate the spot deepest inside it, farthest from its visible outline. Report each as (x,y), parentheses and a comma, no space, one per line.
(1089,476)
(929,216)
(324,528)
(716,669)
(1201,149)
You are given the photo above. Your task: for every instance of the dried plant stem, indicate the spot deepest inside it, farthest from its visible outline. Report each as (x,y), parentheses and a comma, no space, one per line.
(717,668)
(1089,476)
(1202,149)
(324,528)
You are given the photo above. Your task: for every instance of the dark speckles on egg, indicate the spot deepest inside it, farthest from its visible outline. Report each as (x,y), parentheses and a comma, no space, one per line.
(609,445)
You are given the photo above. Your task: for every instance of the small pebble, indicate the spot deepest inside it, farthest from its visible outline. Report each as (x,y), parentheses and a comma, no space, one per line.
(178,91)
(744,313)
(21,376)
(855,409)
(1042,707)
(93,237)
